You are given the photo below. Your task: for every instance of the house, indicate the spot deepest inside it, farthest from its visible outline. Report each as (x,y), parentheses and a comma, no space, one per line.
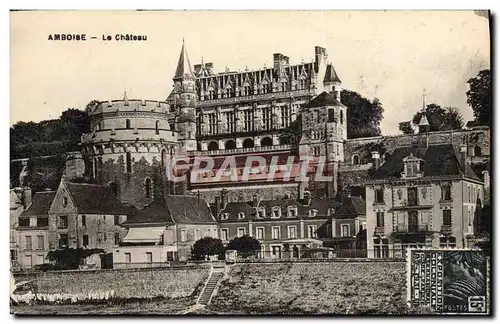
(32,230)
(163,231)
(86,216)
(422,196)
(286,228)
(19,199)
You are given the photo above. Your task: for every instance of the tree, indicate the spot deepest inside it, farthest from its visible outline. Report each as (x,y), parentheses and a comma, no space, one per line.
(439,119)
(363,116)
(207,246)
(245,245)
(70,258)
(292,134)
(406,128)
(479,96)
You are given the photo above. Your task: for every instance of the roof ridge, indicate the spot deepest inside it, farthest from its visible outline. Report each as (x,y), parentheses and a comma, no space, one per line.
(87,184)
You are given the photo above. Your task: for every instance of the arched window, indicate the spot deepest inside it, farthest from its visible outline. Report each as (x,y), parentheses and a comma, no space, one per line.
(266,141)
(127,123)
(355,159)
(128,162)
(477,150)
(148,187)
(230,145)
(157,127)
(213,146)
(248,143)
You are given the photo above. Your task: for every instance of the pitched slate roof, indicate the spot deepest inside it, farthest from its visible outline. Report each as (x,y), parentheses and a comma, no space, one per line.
(94,199)
(183,66)
(40,204)
(331,74)
(438,160)
(323,99)
(180,209)
(351,207)
(322,205)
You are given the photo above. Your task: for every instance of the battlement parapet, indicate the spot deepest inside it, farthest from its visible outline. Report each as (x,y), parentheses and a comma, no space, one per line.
(131,105)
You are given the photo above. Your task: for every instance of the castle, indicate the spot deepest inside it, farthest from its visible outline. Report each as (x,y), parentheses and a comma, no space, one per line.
(221,115)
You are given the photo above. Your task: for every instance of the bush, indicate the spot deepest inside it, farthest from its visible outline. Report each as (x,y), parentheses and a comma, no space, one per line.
(207,246)
(245,245)
(70,258)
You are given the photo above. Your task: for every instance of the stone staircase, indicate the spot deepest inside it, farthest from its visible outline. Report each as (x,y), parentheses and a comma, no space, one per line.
(213,280)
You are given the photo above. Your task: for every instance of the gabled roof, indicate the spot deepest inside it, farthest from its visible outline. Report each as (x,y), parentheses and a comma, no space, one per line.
(438,160)
(351,207)
(179,209)
(183,66)
(94,199)
(323,99)
(331,74)
(40,204)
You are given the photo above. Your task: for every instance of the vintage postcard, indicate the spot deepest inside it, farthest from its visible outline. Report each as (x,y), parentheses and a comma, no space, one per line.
(250,162)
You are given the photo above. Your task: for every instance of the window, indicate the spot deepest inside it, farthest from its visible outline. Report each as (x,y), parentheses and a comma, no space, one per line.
(412,196)
(345,232)
(331,211)
(447,217)
(331,115)
(183,235)
(215,232)
(224,216)
(224,234)
(157,127)
(63,222)
(312,231)
(105,236)
(380,219)
(283,86)
(241,231)
(116,220)
(260,233)
(85,240)
(267,118)
(24,222)
(355,159)
(379,196)
(65,201)
(261,213)
(13,255)
(149,257)
(292,232)
(447,242)
(338,149)
(170,256)
(241,215)
(313,212)
(63,240)
(341,117)
(128,158)
(128,258)
(328,230)
(28,244)
(275,232)
(292,211)
(286,112)
(276,212)
(84,221)
(196,234)
(446,192)
(148,187)
(127,123)
(316,150)
(248,120)
(42,222)
(230,121)
(212,124)
(469,217)
(302,84)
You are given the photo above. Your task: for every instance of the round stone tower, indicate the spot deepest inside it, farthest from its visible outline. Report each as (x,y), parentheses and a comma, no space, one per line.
(130,145)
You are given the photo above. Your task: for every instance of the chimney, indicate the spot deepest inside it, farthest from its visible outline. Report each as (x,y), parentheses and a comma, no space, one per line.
(376,159)
(26,197)
(319,55)
(197,68)
(486,179)
(279,60)
(463,156)
(223,198)
(209,67)
(255,200)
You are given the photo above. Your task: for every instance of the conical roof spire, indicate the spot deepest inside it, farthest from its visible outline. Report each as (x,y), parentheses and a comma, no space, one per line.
(183,66)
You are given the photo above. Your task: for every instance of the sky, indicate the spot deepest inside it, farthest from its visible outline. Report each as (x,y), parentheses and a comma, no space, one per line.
(391,55)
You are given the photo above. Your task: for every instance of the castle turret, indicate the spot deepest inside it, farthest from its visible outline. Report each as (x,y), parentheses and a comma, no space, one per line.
(185,101)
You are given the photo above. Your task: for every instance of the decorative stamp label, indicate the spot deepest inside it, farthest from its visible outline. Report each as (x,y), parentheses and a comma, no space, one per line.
(448,281)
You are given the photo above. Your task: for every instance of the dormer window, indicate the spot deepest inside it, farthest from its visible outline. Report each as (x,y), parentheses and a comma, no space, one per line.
(276,212)
(412,167)
(331,211)
(292,211)
(313,212)
(260,212)
(241,215)
(224,216)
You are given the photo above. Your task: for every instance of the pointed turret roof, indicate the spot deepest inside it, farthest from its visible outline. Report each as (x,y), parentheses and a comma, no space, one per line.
(331,75)
(184,69)
(323,99)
